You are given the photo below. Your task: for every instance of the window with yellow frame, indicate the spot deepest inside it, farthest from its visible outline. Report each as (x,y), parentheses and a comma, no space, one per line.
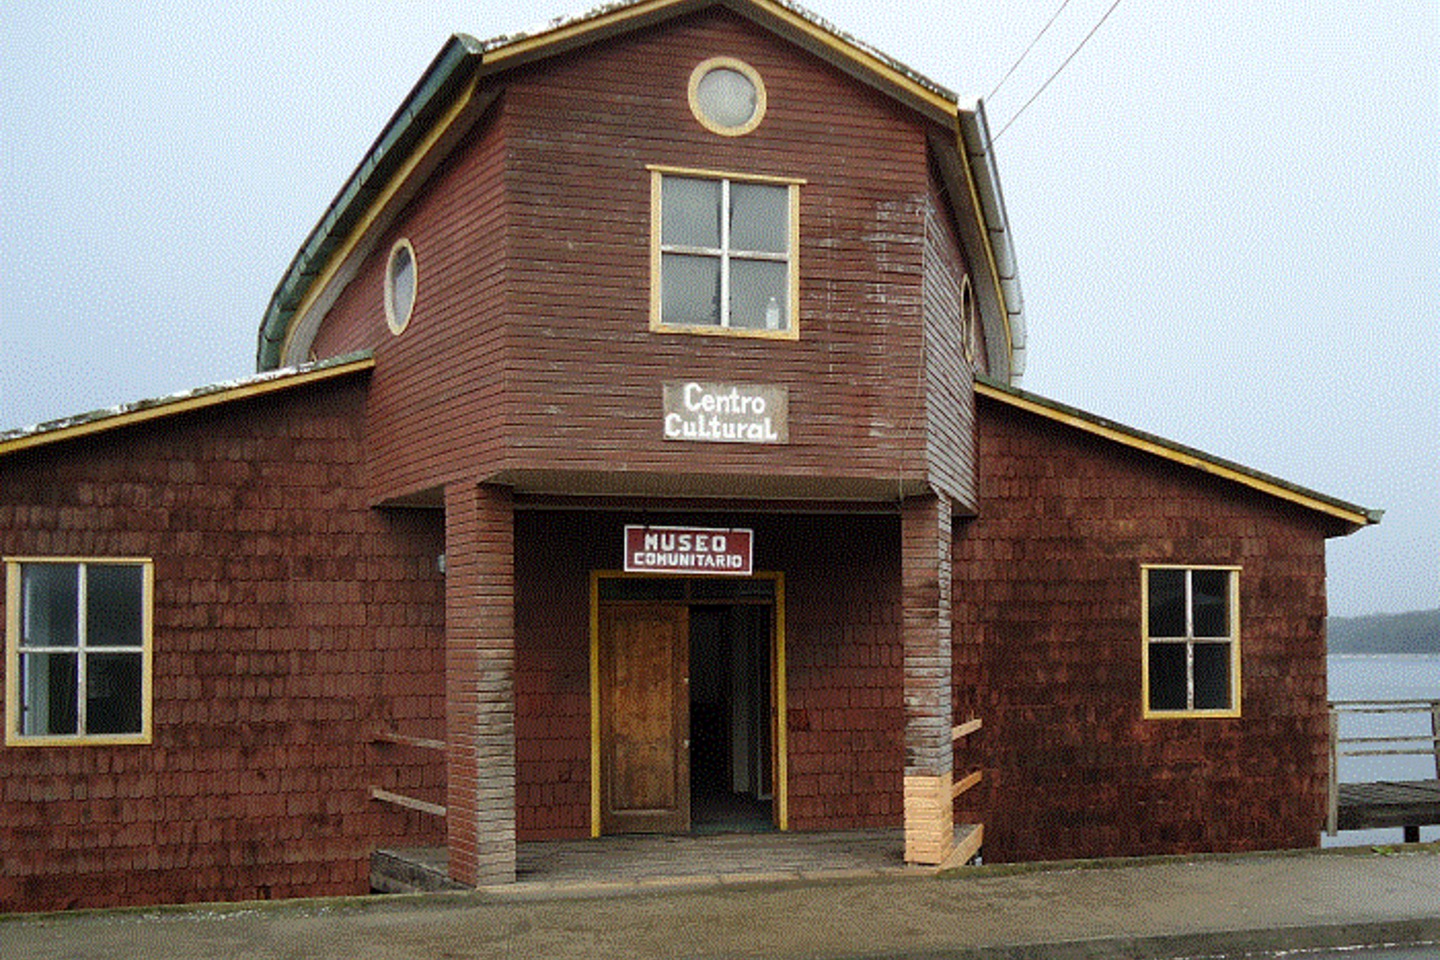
(78,651)
(1191,626)
(723,253)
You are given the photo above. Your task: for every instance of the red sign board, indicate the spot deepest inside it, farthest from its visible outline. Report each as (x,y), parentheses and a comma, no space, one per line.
(700,551)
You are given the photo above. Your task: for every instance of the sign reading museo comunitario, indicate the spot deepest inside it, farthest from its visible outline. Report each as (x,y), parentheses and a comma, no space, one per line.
(689,550)
(726,412)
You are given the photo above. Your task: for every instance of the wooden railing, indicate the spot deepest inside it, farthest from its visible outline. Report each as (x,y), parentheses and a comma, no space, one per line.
(1400,745)
(966,848)
(386,735)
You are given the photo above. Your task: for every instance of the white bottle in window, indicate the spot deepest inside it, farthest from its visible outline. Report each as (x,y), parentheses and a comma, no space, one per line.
(772,314)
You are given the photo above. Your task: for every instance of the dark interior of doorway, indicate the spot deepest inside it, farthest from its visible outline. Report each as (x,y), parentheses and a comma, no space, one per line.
(730,752)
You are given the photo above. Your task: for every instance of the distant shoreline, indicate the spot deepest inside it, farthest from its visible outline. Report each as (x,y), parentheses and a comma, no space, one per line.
(1385,633)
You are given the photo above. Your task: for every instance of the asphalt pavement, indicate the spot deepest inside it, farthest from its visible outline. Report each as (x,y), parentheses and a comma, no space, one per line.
(1231,906)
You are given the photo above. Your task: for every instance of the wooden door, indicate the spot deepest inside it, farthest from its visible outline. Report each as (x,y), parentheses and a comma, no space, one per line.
(644,719)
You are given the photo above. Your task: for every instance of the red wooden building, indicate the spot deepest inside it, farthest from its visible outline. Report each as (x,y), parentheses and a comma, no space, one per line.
(635,445)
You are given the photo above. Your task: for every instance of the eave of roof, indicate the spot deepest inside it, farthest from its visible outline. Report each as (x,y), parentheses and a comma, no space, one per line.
(141,411)
(448,84)
(1352,516)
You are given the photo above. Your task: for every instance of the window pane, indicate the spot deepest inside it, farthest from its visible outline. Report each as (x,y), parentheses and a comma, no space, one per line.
(690,289)
(690,211)
(402,282)
(757,295)
(634,588)
(759,218)
(113,598)
(1212,676)
(49,605)
(1167,603)
(48,702)
(726,97)
(1210,597)
(724,588)
(112,694)
(1167,676)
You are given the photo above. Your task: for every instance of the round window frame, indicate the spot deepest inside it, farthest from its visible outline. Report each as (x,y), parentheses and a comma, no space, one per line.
(702,70)
(398,323)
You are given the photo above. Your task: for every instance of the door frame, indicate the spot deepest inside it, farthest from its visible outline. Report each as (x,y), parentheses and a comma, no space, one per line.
(778,698)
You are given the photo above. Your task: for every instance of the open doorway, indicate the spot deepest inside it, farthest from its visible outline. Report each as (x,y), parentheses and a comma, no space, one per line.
(730,740)
(687,683)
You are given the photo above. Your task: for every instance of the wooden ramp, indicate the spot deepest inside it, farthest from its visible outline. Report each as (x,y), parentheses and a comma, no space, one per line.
(1409,804)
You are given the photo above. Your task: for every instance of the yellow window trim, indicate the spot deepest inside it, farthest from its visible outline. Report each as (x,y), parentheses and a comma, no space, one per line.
(13,737)
(779,679)
(657,174)
(703,70)
(1234,599)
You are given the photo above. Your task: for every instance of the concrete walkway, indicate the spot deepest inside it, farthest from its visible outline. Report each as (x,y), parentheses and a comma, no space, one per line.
(1210,906)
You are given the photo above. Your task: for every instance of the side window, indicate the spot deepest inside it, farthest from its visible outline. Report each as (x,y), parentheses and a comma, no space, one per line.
(723,254)
(77,644)
(1191,631)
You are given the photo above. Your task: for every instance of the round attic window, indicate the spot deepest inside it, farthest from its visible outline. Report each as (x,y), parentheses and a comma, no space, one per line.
(727,96)
(400,286)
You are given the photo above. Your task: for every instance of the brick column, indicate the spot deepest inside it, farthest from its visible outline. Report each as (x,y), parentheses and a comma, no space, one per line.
(929,712)
(480,683)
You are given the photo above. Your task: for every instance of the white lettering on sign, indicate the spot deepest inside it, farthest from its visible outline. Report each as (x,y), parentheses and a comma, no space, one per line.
(726,413)
(688,550)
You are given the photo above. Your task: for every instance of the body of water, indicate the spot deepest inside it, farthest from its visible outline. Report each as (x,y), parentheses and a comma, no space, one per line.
(1384,677)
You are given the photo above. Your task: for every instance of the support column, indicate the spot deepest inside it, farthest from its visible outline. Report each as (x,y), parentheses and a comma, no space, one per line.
(925,524)
(480,683)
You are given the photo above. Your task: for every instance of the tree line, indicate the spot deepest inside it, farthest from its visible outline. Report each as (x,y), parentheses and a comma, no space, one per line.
(1416,632)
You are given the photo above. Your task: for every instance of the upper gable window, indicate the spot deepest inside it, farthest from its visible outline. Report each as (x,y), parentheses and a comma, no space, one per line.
(727,96)
(723,253)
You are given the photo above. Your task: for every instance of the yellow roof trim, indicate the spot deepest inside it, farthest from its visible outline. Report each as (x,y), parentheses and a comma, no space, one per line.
(1176,453)
(989,245)
(862,58)
(578,31)
(372,213)
(146,410)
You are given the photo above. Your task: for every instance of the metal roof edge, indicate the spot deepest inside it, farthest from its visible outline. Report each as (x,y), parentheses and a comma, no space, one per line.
(384,156)
(140,411)
(978,150)
(1351,514)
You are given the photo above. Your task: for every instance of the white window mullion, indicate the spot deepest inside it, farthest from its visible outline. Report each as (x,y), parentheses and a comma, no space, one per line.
(725,253)
(81,657)
(1189,640)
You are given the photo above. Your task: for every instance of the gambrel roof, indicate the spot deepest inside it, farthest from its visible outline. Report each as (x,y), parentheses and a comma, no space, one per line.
(466,77)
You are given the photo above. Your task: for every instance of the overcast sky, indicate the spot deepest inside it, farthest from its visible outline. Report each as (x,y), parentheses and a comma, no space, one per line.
(1226,214)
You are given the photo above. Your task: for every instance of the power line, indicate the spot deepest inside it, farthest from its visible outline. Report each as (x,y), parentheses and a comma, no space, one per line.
(1048,23)
(1078,48)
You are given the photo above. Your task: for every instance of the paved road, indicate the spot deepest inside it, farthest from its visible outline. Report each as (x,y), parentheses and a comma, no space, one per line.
(1203,907)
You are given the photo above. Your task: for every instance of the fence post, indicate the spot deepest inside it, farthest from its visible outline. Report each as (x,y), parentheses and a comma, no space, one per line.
(1435,733)
(1332,811)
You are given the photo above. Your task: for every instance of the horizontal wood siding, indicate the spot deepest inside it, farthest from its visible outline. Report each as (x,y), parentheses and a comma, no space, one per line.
(437,399)
(587,370)
(530,345)
(292,624)
(1048,651)
(949,375)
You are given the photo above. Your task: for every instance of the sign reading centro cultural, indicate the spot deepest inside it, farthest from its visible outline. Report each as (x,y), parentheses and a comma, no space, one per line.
(689,550)
(727,412)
